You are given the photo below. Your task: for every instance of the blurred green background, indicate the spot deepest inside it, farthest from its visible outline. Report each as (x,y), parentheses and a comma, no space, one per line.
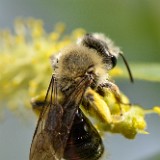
(134,26)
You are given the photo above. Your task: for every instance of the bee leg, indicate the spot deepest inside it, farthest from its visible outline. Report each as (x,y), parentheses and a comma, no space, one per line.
(115,90)
(100,90)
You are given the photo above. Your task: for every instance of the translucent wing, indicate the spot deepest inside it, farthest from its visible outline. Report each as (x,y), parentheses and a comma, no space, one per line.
(55,122)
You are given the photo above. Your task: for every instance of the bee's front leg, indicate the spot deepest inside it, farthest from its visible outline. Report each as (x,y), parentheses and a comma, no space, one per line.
(116,92)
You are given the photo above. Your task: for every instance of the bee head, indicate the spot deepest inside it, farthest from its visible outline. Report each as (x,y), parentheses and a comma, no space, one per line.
(106,49)
(96,42)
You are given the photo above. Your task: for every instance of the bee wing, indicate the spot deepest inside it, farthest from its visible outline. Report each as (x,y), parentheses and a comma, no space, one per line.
(47,143)
(55,123)
(42,147)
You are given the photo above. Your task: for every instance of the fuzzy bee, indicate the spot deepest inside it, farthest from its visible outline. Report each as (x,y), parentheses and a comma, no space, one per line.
(63,131)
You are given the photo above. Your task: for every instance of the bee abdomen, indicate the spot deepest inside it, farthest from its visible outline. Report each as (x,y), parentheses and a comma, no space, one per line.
(84,142)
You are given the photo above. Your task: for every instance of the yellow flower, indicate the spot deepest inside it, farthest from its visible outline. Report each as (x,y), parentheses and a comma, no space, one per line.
(108,117)
(156,109)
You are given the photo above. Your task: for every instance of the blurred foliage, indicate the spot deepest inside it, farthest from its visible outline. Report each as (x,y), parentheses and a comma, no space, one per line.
(143,71)
(155,156)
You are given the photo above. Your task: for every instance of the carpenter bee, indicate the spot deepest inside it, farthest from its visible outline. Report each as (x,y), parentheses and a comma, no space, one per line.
(63,131)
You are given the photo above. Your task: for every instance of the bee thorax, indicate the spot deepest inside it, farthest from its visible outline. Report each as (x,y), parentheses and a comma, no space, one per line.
(75,63)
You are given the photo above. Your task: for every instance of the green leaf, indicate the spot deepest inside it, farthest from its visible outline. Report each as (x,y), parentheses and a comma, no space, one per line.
(143,71)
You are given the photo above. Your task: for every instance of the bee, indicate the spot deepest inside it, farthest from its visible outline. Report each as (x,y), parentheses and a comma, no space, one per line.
(94,53)
(63,131)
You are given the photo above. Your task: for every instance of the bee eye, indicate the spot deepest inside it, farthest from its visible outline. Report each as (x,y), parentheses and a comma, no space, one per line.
(114,61)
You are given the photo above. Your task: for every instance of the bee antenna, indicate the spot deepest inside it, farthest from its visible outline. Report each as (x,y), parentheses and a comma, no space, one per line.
(128,68)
